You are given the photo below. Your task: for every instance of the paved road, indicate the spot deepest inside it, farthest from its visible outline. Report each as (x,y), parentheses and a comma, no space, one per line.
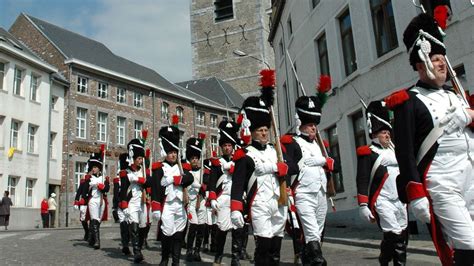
(64,247)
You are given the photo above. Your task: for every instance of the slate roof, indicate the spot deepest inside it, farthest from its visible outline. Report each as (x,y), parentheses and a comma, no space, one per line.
(10,40)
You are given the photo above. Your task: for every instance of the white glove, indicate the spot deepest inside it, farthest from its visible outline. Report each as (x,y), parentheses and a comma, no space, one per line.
(315,161)
(237,219)
(421,209)
(365,213)
(266,168)
(126,214)
(214,205)
(227,165)
(456,120)
(196,185)
(156,216)
(166,180)
(76,207)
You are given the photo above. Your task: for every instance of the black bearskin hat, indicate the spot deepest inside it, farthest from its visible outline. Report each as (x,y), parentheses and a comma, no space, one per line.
(423,31)
(308,109)
(94,160)
(377,118)
(122,162)
(135,149)
(193,148)
(257,112)
(169,136)
(228,133)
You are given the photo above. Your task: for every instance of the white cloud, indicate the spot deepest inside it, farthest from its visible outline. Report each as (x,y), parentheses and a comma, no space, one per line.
(153,33)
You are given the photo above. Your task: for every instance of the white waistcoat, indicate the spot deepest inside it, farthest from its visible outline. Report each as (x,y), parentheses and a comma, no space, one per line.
(268,186)
(310,178)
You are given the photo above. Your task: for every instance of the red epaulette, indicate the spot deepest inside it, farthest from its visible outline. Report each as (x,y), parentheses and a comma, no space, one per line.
(116,180)
(156,165)
(123,173)
(215,162)
(286,139)
(363,151)
(187,167)
(396,98)
(82,181)
(238,154)
(87,177)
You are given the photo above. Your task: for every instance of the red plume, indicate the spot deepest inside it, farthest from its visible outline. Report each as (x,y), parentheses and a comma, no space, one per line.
(147,153)
(201,135)
(240,118)
(102,148)
(441,14)
(324,83)
(175,120)
(214,154)
(144,134)
(267,78)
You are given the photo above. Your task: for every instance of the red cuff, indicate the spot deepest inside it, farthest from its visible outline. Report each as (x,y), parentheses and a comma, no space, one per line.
(101,186)
(236,205)
(148,172)
(215,162)
(212,195)
(329,164)
(76,203)
(82,202)
(123,173)
(187,167)
(203,187)
(207,171)
(116,180)
(415,190)
(141,180)
(282,169)
(177,180)
(87,177)
(231,170)
(148,190)
(123,204)
(362,199)
(155,206)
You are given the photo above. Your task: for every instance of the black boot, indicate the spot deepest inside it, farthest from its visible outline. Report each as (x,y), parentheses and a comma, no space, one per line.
(137,252)
(86,230)
(275,250)
(236,247)
(314,253)
(220,243)
(387,247)
(213,231)
(205,244)
(97,234)
(197,246)
(400,251)
(463,257)
(145,239)
(262,251)
(190,242)
(125,238)
(176,248)
(91,233)
(165,249)
(245,238)
(141,236)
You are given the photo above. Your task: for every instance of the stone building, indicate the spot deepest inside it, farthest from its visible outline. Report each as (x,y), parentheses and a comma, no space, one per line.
(229,41)
(110,100)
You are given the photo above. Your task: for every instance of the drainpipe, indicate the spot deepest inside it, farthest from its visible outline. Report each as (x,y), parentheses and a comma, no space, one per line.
(48,152)
(68,143)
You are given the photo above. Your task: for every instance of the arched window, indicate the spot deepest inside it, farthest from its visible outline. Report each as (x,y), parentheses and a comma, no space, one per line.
(180,114)
(165,111)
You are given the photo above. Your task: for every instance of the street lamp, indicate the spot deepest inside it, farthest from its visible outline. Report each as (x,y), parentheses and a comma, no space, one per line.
(240,53)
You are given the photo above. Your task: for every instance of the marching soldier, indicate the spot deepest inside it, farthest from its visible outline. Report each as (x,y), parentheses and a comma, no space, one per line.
(434,147)
(209,227)
(96,185)
(308,167)
(124,232)
(169,197)
(132,196)
(219,192)
(258,172)
(197,211)
(377,170)
(80,203)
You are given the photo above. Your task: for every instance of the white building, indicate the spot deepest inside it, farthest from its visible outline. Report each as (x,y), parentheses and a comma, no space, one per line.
(360,44)
(31,129)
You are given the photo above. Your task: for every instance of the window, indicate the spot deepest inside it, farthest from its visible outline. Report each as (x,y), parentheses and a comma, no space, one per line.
(288,103)
(334,153)
(290,26)
(201,118)
(138,128)
(52,150)
(102,90)
(314,3)
(81,84)
(180,114)
(12,183)
(214,144)
(121,130)
(102,127)
(223,10)
(358,125)
(213,120)
(182,140)
(54,100)
(32,129)
(137,99)
(121,95)
(17,81)
(30,183)
(2,74)
(2,130)
(14,134)
(384,26)
(323,55)
(34,88)
(79,171)
(165,111)
(348,49)
(81,123)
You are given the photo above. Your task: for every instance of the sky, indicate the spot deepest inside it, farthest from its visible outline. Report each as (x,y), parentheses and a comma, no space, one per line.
(152,33)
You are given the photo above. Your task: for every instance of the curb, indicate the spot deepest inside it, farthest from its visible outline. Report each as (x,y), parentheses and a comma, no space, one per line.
(368,244)
(54,229)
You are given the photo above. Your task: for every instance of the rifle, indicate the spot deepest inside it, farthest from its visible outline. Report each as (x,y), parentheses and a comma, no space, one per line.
(201,172)
(181,172)
(144,137)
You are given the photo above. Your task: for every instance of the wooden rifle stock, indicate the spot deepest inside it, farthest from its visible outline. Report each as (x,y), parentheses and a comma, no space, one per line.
(283,199)
(330,188)
(181,172)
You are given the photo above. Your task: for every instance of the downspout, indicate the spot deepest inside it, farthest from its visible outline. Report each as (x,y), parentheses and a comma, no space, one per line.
(154,126)
(67,144)
(48,152)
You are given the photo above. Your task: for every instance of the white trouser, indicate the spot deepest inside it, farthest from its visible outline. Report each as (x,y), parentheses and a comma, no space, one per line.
(138,213)
(211,218)
(174,217)
(392,215)
(82,213)
(268,218)
(223,214)
(96,208)
(449,180)
(312,209)
(197,217)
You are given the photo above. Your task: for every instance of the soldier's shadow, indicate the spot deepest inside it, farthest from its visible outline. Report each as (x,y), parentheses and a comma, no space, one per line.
(116,253)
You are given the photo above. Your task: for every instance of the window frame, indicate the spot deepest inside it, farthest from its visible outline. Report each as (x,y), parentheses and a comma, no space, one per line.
(214,144)
(335,152)
(200,118)
(29,190)
(81,121)
(137,128)
(2,74)
(102,126)
(102,90)
(15,134)
(213,120)
(137,99)
(358,134)
(79,171)
(220,5)
(388,33)
(121,98)
(17,81)
(31,140)
(323,54)
(180,113)
(11,186)
(82,84)
(165,111)
(121,130)
(349,67)
(34,86)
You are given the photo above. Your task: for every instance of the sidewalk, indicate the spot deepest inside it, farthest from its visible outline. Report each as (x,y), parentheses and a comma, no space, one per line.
(420,244)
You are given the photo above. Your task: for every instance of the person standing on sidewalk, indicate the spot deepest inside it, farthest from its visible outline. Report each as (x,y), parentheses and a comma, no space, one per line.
(80,203)
(44,213)
(52,205)
(377,171)
(5,204)
(434,146)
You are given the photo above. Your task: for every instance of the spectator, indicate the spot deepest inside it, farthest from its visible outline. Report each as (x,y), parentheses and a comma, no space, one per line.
(5,204)
(52,209)
(44,213)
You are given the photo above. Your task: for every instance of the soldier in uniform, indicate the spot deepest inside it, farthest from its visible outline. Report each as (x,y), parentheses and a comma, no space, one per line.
(132,196)
(96,185)
(209,227)
(80,203)
(168,194)
(197,211)
(219,191)
(377,171)
(433,146)
(124,232)
(308,167)
(258,172)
